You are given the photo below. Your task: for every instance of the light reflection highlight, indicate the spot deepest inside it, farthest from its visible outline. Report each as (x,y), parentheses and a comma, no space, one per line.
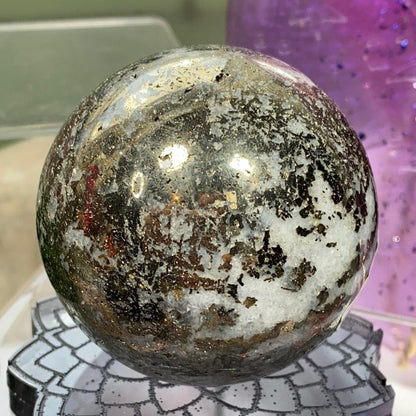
(241,164)
(137,184)
(173,157)
(275,69)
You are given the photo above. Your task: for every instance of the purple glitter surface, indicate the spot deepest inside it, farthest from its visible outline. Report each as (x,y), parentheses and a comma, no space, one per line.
(363,54)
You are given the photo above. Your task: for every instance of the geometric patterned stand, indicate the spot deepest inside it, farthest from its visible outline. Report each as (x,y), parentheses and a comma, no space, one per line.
(62,372)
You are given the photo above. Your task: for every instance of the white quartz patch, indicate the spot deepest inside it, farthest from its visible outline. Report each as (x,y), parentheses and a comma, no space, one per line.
(74,237)
(273,303)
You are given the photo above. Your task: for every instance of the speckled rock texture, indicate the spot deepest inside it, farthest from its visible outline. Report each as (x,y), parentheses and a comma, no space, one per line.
(207,215)
(363,54)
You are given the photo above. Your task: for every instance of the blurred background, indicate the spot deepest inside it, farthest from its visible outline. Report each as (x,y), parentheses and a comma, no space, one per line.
(193,21)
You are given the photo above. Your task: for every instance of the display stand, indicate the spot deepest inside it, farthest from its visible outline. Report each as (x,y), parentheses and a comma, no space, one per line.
(62,372)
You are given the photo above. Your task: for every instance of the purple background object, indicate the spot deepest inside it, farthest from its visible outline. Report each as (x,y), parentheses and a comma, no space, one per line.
(363,54)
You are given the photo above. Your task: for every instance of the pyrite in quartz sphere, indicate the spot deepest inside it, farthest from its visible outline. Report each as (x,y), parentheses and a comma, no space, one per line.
(207,215)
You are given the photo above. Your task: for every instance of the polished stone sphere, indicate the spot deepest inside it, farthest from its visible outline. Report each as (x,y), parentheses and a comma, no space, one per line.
(207,215)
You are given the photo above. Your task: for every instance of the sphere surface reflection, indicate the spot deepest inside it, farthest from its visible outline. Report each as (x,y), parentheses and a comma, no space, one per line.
(207,215)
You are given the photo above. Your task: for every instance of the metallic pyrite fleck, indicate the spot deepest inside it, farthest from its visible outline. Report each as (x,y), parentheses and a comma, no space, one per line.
(207,215)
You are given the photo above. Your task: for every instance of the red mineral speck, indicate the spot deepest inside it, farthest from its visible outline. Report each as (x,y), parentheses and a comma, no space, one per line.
(109,246)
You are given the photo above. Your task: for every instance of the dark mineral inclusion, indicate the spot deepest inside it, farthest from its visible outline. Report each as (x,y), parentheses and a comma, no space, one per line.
(207,215)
